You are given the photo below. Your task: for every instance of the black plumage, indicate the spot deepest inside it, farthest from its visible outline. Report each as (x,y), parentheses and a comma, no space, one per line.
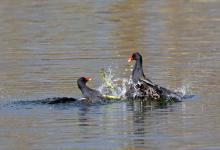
(90,94)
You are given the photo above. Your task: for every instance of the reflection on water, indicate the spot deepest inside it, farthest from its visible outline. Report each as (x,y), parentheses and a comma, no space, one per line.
(46,45)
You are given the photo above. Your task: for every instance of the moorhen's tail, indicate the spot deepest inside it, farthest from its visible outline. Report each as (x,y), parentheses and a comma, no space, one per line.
(168,94)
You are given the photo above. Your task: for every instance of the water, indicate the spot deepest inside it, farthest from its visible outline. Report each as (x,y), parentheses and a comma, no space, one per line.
(46,45)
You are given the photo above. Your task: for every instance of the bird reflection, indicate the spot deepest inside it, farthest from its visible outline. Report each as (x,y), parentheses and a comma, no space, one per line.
(145,120)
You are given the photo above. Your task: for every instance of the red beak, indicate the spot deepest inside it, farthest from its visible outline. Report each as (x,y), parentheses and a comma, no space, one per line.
(130,58)
(88,78)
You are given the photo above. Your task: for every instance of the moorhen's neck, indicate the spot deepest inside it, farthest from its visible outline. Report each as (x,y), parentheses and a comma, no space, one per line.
(138,63)
(87,92)
(138,70)
(82,86)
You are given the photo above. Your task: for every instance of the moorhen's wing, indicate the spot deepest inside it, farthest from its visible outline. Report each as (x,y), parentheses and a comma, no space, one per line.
(148,82)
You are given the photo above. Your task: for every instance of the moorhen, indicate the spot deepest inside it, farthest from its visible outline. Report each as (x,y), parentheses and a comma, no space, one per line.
(144,88)
(90,95)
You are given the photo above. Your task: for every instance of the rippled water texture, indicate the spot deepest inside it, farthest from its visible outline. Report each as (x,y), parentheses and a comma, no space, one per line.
(47,44)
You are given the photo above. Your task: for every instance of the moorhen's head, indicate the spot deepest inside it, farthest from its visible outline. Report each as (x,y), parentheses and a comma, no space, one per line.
(83,80)
(135,56)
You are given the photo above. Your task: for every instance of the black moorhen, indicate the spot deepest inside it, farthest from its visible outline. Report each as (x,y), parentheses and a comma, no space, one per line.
(145,88)
(90,95)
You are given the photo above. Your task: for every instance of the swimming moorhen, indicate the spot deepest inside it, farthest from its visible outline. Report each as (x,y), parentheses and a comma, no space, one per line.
(143,87)
(90,94)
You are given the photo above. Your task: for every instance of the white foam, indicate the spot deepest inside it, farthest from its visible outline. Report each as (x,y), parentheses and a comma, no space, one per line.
(184,89)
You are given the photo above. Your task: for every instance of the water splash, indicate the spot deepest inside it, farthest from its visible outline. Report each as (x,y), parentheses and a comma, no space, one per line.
(116,86)
(184,90)
(113,85)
